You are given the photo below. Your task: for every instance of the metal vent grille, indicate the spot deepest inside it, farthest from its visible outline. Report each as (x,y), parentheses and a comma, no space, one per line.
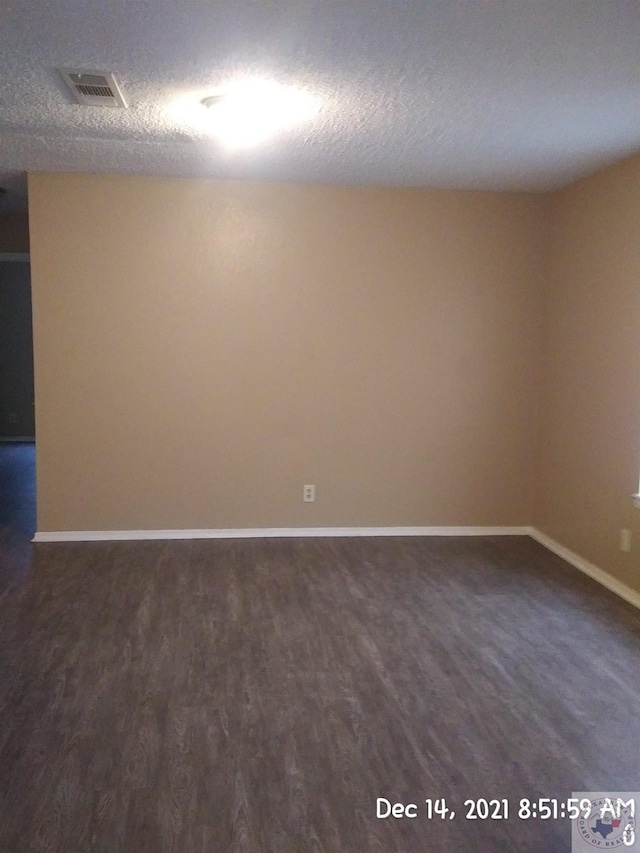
(96,91)
(93,88)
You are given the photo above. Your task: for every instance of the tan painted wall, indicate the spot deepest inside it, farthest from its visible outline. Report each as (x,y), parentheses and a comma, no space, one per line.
(590,414)
(204,349)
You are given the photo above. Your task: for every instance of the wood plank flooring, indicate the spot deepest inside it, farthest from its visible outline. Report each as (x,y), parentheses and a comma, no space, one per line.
(260,695)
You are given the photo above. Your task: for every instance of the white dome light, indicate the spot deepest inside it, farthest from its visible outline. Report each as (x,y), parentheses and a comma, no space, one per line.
(248,113)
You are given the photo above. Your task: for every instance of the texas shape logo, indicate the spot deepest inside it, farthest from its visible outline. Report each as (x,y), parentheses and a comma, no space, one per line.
(610,824)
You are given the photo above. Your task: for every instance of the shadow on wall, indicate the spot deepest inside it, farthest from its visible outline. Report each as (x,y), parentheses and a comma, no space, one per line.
(14,232)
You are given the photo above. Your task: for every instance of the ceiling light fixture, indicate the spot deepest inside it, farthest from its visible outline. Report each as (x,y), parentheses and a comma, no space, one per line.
(249,113)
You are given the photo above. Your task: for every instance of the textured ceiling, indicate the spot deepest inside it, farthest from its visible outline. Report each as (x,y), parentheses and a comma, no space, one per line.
(487,94)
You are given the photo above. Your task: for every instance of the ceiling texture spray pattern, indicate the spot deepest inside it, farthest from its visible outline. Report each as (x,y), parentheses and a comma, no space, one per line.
(481,94)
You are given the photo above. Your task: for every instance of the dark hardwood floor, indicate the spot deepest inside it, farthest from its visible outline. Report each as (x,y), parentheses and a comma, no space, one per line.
(260,695)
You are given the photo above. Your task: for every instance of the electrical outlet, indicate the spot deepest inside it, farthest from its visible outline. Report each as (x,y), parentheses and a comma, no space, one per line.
(625,539)
(308,494)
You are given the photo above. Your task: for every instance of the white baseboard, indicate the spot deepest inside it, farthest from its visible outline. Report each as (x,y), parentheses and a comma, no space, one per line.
(588,568)
(595,572)
(271,532)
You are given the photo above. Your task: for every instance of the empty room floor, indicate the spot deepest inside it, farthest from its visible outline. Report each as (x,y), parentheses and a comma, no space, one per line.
(261,695)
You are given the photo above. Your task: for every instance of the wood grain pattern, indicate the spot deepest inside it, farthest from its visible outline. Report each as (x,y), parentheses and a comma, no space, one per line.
(259,695)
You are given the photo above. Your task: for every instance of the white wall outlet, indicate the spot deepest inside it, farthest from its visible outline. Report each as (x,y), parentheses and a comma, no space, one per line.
(625,539)
(308,494)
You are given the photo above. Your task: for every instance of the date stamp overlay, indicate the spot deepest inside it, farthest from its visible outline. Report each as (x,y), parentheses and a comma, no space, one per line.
(597,820)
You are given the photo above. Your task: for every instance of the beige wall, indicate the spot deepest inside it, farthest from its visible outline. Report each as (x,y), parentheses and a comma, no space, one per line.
(590,413)
(203,349)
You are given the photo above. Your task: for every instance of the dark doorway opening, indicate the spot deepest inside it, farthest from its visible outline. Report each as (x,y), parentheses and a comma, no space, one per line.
(17,416)
(18,487)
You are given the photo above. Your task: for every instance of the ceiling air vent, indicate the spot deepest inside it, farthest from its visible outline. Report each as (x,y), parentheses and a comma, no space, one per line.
(93,88)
